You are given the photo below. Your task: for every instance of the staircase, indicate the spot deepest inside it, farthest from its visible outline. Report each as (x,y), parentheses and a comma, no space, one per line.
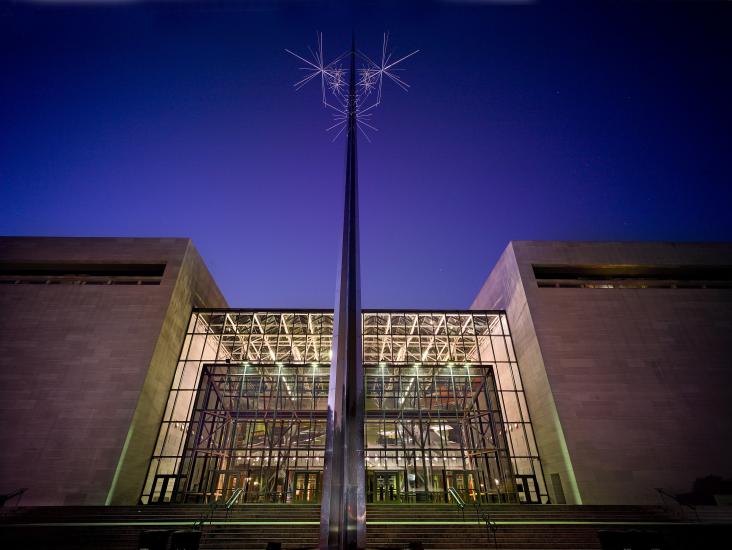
(119,527)
(502,526)
(515,527)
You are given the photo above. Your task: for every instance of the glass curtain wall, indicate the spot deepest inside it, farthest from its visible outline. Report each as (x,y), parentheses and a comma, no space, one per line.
(445,410)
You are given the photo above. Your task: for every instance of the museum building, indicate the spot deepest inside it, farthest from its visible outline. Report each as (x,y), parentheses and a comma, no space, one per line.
(583,373)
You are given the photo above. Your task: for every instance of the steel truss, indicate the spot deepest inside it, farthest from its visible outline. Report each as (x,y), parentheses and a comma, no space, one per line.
(444,408)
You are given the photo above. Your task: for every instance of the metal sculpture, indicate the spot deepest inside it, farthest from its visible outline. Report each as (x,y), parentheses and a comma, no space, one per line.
(335,83)
(351,96)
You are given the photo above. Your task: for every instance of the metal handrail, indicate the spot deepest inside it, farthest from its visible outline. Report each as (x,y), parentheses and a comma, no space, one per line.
(681,505)
(490,525)
(459,502)
(17,493)
(209,512)
(233,498)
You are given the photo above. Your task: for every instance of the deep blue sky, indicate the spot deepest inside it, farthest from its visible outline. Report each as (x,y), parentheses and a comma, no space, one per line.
(549,121)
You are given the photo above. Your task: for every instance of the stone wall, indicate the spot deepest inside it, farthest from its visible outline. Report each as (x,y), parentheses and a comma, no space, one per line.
(504,290)
(78,363)
(640,378)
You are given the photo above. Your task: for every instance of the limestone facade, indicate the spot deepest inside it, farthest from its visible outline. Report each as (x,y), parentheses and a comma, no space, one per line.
(628,388)
(85,368)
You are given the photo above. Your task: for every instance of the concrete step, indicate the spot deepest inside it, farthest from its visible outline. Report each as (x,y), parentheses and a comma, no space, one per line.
(510,537)
(311,513)
(388,526)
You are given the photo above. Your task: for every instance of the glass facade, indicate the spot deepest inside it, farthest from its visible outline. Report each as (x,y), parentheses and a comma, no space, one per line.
(445,409)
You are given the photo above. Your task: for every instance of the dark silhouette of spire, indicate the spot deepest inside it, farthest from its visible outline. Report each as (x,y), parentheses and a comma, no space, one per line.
(343,507)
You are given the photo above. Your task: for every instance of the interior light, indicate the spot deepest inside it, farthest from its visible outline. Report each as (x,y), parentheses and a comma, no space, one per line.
(443,427)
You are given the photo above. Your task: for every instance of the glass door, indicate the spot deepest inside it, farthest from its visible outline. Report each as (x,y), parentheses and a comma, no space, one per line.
(527,489)
(306,487)
(462,481)
(225,482)
(163,488)
(384,487)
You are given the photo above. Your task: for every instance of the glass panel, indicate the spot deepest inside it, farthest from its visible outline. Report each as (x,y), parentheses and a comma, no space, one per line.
(247,409)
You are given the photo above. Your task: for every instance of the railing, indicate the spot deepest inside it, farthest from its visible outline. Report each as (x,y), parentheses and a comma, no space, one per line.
(490,526)
(17,493)
(247,496)
(207,516)
(232,500)
(480,513)
(458,500)
(440,497)
(681,507)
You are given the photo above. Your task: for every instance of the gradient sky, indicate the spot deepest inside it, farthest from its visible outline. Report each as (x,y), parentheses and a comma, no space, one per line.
(589,121)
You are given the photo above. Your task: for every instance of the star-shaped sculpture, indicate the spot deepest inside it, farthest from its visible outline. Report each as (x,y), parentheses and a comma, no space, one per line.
(334,85)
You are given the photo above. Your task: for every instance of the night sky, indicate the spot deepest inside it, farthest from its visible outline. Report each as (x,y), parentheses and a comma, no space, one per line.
(549,121)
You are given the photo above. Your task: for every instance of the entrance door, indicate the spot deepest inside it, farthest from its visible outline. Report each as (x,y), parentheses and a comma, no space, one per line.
(162,488)
(527,489)
(462,482)
(225,482)
(384,487)
(306,487)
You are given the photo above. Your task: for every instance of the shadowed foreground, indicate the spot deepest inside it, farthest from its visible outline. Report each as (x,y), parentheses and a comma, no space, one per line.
(390,526)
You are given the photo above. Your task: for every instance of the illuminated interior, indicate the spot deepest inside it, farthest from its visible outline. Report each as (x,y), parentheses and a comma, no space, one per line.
(445,409)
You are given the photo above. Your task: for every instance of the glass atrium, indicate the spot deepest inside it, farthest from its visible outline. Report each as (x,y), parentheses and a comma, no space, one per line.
(445,408)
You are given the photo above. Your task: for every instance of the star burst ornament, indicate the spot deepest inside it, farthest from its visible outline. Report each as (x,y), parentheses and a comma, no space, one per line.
(333,78)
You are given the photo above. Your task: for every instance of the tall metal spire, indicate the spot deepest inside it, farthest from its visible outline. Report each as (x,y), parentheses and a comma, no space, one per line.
(343,508)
